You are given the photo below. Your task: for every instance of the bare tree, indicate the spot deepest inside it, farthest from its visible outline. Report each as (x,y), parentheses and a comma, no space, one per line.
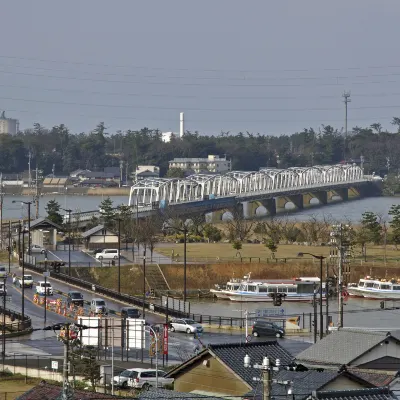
(148,231)
(239,228)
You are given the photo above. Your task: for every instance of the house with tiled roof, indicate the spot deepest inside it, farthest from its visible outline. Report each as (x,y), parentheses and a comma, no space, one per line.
(219,371)
(354,348)
(360,394)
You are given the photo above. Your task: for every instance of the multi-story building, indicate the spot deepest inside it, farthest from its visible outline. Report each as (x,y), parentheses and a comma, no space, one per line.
(212,163)
(8,126)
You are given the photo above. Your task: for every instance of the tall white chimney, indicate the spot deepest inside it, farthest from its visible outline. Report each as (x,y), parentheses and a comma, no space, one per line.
(182,125)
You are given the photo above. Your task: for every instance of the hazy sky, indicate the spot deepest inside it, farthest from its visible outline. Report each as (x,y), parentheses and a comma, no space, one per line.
(263,66)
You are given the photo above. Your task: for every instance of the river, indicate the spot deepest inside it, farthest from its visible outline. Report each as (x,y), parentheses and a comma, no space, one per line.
(340,211)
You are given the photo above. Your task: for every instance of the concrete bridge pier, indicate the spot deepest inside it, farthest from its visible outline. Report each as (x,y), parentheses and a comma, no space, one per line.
(343,193)
(296,199)
(321,196)
(250,207)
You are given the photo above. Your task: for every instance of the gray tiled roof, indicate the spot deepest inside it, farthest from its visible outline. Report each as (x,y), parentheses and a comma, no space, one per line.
(170,394)
(92,231)
(304,383)
(40,221)
(342,347)
(233,356)
(360,394)
(374,377)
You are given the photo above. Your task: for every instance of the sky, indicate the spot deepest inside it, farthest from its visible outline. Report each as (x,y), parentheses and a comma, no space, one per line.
(268,67)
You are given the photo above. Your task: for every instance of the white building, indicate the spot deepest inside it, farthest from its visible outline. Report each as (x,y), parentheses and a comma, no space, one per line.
(212,163)
(8,126)
(167,136)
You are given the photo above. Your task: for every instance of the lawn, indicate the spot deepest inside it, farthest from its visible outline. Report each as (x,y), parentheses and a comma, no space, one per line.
(12,388)
(209,251)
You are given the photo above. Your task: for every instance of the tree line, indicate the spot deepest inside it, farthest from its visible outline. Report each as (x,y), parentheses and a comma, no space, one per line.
(248,151)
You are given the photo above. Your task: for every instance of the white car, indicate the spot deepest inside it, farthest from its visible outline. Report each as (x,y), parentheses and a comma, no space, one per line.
(44,288)
(107,254)
(3,289)
(144,378)
(123,378)
(3,272)
(185,325)
(35,248)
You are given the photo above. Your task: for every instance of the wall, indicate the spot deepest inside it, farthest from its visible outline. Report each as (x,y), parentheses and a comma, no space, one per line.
(390,349)
(215,378)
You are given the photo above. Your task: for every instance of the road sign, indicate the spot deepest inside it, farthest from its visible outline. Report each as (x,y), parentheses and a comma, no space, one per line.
(270,312)
(54,365)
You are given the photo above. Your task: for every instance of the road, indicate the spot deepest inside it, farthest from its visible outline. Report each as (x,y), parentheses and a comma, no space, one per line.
(45,343)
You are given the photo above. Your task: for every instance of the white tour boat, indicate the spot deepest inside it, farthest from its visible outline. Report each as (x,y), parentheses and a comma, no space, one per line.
(231,286)
(376,289)
(299,289)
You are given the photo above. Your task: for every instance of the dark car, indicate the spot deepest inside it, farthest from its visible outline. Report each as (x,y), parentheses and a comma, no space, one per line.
(267,328)
(130,312)
(75,298)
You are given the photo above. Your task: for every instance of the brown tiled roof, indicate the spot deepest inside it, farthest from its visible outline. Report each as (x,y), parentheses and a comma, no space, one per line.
(374,377)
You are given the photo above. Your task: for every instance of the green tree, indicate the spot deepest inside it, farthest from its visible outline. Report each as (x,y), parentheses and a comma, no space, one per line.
(272,247)
(370,222)
(395,223)
(53,212)
(212,233)
(237,245)
(175,173)
(125,215)
(107,212)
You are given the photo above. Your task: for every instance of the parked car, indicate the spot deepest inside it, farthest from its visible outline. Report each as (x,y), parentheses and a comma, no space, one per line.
(95,251)
(185,325)
(130,312)
(75,298)
(3,272)
(3,289)
(35,248)
(123,378)
(98,306)
(266,328)
(107,254)
(144,378)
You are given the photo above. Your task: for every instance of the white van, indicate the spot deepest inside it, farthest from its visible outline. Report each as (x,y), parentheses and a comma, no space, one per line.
(108,254)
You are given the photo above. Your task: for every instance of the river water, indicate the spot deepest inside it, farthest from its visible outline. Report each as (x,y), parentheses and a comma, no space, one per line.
(340,211)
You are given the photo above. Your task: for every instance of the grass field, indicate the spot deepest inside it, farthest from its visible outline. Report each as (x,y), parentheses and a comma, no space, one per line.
(225,251)
(11,388)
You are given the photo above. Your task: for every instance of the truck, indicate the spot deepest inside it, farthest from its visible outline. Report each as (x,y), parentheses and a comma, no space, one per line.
(43,288)
(26,281)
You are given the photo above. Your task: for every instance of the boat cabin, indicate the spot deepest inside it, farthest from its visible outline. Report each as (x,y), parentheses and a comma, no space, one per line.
(379,284)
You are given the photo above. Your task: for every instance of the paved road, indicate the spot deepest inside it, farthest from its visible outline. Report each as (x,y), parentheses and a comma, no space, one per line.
(181,346)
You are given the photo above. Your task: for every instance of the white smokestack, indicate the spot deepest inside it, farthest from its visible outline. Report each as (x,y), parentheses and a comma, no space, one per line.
(182,125)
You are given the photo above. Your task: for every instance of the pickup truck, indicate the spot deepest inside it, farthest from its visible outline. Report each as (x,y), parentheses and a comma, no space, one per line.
(26,281)
(43,288)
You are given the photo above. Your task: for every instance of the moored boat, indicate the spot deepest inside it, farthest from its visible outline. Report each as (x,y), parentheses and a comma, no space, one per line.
(371,288)
(297,290)
(231,286)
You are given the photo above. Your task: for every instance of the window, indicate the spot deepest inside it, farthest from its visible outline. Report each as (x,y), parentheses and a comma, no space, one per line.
(376,285)
(263,289)
(272,289)
(396,287)
(369,284)
(145,375)
(282,289)
(385,287)
(252,288)
(291,289)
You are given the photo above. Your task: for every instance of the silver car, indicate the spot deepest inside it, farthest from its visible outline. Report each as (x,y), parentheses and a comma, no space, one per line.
(35,248)
(185,325)
(98,306)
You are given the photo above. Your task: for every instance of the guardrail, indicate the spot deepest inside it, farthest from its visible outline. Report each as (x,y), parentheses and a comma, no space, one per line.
(123,297)
(20,324)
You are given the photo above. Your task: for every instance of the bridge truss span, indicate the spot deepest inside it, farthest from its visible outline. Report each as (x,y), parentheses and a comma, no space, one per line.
(241,183)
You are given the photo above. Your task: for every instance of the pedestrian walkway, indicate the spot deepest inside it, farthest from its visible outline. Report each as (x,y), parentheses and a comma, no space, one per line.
(137,256)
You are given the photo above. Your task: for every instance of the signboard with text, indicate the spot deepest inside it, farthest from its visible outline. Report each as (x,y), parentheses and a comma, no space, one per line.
(270,312)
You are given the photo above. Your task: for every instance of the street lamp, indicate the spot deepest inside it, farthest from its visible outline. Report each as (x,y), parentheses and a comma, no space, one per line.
(185,231)
(69,238)
(23,273)
(144,284)
(321,322)
(28,203)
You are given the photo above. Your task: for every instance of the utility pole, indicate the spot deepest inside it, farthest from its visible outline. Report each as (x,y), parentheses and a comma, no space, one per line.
(4,322)
(121,166)
(362,159)
(347,100)
(37,194)
(9,246)
(1,210)
(29,169)
(266,379)
(67,393)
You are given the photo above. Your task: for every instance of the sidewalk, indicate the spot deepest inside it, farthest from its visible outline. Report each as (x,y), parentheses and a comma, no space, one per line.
(138,256)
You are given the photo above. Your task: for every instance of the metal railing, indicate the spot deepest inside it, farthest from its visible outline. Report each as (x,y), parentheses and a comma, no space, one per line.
(18,323)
